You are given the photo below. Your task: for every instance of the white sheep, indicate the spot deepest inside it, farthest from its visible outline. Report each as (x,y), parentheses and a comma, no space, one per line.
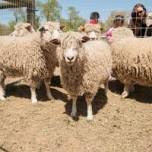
(93,30)
(22,29)
(32,57)
(84,67)
(132,60)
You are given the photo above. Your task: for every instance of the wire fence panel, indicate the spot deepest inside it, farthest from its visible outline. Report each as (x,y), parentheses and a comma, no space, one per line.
(14,11)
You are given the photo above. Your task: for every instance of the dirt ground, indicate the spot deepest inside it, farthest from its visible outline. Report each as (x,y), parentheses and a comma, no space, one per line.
(119,125)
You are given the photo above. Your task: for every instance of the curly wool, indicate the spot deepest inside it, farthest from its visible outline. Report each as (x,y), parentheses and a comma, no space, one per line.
(91,69)
(22,29)
(121,33)
(27,56)
(132,60)
(92,27)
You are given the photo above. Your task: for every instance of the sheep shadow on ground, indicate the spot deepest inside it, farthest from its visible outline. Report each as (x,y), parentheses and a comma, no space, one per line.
(98,103)
(23,91)
(141,94)
(18,89)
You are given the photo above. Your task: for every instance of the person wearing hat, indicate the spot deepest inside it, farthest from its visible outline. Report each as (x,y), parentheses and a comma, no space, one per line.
(117,22)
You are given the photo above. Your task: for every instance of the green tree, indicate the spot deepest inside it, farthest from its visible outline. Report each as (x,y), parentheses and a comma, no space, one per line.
(4,29)
(50,9)
(19,15)
(74,20)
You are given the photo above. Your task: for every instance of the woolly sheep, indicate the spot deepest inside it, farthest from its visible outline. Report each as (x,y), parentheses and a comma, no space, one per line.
(22,29)
(132,61)
(32,57)
(93,31)
(84,67)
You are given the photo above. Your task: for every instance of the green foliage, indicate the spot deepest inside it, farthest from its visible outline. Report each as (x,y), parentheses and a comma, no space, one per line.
(74,20)
(19,15)
(11,25)
(4,29)
(50,9)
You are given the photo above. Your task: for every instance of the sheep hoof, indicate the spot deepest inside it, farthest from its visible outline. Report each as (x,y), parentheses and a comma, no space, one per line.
(2,99)
(34,101)
(51,98)
(124,95)
(69,97)
(89,118)
(73,114)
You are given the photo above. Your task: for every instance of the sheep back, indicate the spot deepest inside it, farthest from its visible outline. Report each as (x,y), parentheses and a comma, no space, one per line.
(22,57)
(132,60)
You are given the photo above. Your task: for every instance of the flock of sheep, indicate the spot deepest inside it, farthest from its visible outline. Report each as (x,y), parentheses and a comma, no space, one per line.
(86,60)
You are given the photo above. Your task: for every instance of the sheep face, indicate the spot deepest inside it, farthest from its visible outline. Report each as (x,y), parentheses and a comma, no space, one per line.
(71,47)
(92,35)
(71,51)
(49,32)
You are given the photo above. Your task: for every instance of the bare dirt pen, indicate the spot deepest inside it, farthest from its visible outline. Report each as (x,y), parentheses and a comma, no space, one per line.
(119,125)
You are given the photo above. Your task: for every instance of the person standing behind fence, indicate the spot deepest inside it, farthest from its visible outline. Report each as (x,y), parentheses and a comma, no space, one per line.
(149,24)
(94,20)
(117,22)
(138,20)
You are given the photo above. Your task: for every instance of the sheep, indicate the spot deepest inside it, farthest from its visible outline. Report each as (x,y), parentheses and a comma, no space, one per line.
(93,31)
(132,61)
(121,33)
(22,29)
(32,57)
(84,67)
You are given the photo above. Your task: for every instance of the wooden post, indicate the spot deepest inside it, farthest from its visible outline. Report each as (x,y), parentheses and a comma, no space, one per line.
(31,12)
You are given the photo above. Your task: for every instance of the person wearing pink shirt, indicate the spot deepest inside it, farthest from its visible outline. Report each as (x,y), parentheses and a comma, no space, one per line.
(117,22)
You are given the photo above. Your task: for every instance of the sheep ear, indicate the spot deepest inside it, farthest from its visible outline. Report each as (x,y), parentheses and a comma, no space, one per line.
(62,27)
(55,41)
(29,28)
(81,28)
(85,39)
(42,29)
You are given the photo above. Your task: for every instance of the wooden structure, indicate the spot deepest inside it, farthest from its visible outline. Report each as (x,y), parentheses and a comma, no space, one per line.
(29,4)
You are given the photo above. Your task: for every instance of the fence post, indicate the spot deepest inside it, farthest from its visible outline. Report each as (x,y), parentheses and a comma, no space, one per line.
(31,12)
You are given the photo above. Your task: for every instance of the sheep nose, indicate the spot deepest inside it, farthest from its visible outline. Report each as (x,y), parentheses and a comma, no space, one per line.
(70,58)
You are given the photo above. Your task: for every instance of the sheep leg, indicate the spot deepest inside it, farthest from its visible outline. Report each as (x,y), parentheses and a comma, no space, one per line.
(89,107)
(2,93)
(2,86)
(33,95)
(132,88)
(48,92)
(74,107)
(69,97)
(126,91)
(106,87)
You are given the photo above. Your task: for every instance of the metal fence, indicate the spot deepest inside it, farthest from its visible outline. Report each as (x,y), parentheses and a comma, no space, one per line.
(13,11)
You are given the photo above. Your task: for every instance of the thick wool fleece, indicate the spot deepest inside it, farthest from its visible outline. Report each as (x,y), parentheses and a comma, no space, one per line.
(132,60)
(91,69)
(92,27)
(22,29)
(27,56)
